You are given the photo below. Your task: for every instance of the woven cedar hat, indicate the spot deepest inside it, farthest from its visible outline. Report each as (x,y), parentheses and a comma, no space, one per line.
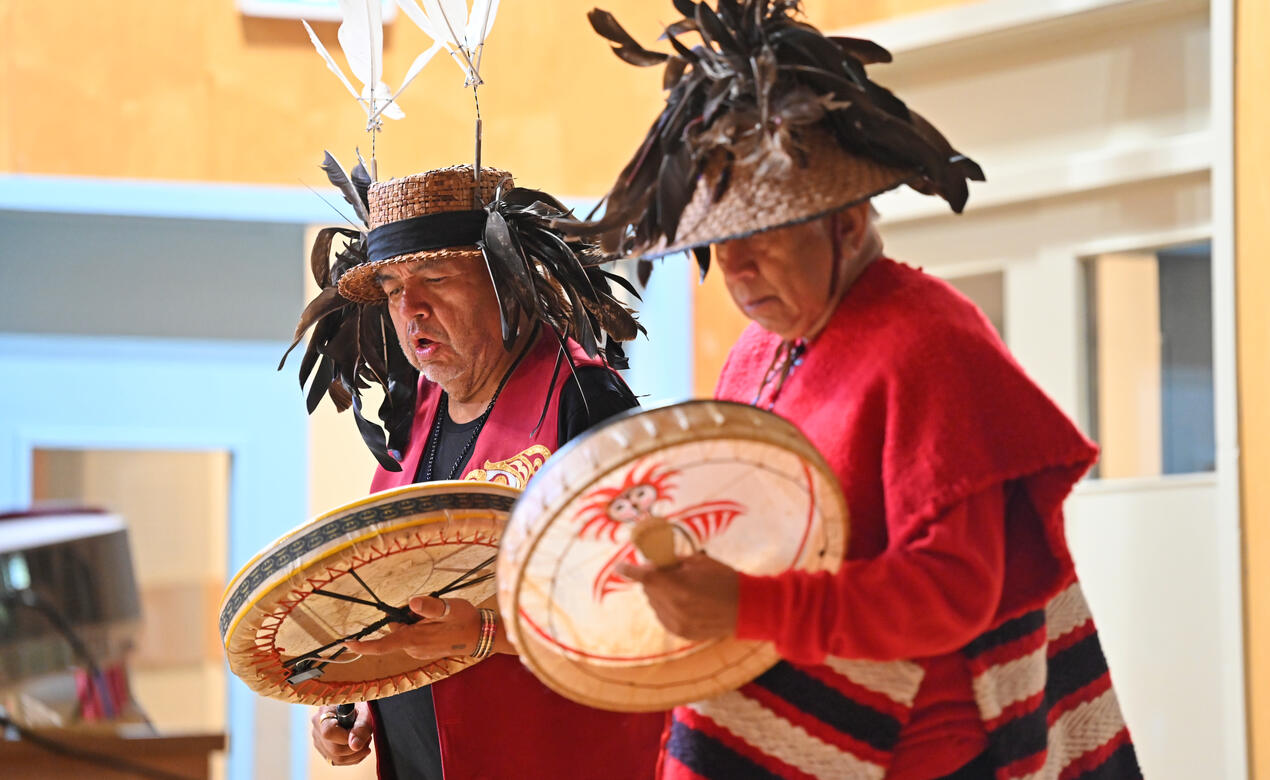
(541,279)
(446,191)
(767,123)
(753,201)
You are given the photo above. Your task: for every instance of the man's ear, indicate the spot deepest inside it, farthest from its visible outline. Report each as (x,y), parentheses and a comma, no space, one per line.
(852,225)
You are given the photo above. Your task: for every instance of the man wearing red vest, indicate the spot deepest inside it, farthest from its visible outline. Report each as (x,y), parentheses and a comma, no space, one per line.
(506,372)
(953,642)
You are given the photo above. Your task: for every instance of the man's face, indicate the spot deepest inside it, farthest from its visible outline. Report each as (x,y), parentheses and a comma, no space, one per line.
(447,320)
(780,278)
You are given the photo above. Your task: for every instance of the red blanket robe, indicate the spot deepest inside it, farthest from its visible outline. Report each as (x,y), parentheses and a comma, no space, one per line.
(495,720)
(917,407)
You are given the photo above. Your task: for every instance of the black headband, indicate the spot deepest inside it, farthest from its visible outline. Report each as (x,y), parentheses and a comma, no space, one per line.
(419,234)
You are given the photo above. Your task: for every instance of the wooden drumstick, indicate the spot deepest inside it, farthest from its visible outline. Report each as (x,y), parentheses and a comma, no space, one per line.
(654,537)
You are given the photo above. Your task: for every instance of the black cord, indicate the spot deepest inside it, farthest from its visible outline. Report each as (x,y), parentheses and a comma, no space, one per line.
(36,603)
(32,600)
(302,665)
(462,581)
(88,756)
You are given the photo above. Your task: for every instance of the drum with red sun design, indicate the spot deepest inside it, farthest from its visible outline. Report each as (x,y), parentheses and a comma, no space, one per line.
(738,483)
(350,574)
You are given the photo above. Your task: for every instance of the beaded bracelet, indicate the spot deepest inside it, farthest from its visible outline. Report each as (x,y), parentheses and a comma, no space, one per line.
(489,625)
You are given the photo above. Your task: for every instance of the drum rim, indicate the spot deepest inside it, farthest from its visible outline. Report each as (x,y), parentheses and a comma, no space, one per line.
(639,411)
(235,661)
(267,588)
(357,504)
(446,487)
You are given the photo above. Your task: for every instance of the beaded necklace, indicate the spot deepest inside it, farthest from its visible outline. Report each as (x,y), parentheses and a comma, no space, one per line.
(788,356)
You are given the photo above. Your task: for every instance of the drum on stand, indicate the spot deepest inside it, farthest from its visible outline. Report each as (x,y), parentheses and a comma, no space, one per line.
(350,574)
(738,483)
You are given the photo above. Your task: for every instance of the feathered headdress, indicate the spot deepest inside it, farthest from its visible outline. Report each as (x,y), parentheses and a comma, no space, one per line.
(540,278)
(767,123)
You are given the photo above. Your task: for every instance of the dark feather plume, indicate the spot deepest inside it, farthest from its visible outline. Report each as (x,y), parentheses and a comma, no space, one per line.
(624,45)
(351,345)
(643,271)
(702,256)
(346,187)
(758,75)
(557,282)
(538,276)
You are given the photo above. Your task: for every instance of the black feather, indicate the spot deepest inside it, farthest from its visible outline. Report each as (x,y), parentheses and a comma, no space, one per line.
(702,254)
(686,7)
(327,302)
(626,47)
(622,282)
(321,382)
(864,51)
(675,183)
(374,438)
(713,30)
(644,272)
(361,183)
(341,182)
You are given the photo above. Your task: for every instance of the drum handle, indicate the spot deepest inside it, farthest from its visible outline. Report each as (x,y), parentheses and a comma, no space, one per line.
(346,716)
(654,537)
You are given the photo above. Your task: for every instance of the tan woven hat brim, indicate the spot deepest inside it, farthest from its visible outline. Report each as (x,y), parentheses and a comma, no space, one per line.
(831,180)
(445,189)
(361,285)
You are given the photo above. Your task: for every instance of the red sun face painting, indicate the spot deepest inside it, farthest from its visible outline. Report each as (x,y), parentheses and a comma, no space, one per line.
(611,511)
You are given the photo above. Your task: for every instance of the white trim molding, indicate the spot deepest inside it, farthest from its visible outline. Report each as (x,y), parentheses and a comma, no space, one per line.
(172,199)
(992,23)
(1097,168)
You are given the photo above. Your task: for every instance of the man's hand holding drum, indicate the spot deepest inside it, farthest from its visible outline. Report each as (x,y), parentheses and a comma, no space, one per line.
(695,598)
(449,627)
(338,745)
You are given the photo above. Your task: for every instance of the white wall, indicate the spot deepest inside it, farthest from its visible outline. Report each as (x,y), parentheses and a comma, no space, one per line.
(1093,130)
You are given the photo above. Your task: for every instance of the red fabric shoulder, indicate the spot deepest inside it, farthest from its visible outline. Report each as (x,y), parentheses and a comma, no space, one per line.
(916,404)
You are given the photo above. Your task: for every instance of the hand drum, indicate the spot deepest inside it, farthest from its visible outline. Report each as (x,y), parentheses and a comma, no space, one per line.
(350,574)
(741,484)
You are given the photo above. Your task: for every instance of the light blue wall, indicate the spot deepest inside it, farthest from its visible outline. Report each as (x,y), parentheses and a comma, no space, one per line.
(661,362)
(150,315)
(213,387)
(102,393)
(173,200)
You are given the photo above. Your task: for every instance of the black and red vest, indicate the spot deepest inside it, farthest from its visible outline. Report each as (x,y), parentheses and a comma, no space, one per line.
(495,720)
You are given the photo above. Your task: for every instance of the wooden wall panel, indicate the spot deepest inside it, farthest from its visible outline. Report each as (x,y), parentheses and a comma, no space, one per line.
(1252,274)
(6,79)
(138,89)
